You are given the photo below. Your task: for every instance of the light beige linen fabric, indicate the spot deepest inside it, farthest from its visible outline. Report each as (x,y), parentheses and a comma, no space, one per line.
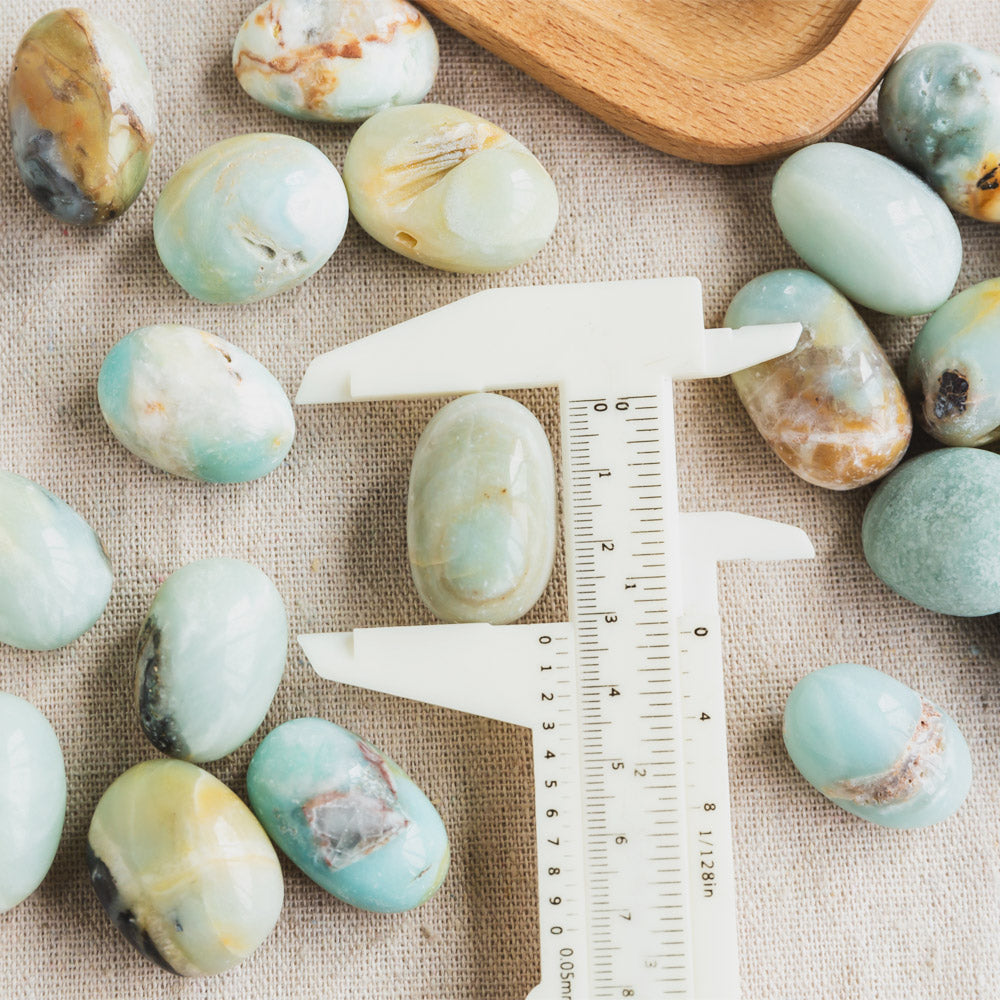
(830,908)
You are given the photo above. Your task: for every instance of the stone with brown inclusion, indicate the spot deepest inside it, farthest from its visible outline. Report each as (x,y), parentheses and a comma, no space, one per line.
(82,116)
(832,408)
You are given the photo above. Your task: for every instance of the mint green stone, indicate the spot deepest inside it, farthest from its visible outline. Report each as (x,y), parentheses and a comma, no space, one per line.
(211,654)
(349,817)
(481,510)
(875,747)
(931,532)
(55,578)
(954,370)
(869,226)
(32,798)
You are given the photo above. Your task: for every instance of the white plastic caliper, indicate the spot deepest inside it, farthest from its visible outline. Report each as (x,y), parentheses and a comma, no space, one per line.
(625,700)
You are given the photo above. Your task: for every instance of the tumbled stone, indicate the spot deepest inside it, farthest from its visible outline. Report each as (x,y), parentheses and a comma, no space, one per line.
(870,227)
(349,817)
(335,60)
(183,868)
(449,189)
(211,654)
(875,747)
(832,408)
(481,514)
(82,116)
(195,405)
(32,799)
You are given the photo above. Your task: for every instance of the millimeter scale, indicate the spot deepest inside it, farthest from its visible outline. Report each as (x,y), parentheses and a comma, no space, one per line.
(624,701)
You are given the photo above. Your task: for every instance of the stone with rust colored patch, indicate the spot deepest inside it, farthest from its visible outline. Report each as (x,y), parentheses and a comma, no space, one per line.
(449,189)
(82,116)
(349,817)
(954,368)
(875,747)
(939,109)
(832,408)
(335,60)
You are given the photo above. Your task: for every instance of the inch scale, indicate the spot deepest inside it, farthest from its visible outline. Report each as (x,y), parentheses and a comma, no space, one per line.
(625,701)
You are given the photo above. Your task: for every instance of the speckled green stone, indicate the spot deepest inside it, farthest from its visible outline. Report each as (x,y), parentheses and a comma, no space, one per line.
(931,532)
(875,747)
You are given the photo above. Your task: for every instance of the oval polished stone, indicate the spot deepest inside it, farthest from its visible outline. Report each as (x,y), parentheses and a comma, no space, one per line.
(32,799)
(211,654)
(875,747)
(832,408)
(82,116)
(335,60)
(249,217)
(954,370)
(55,578)
(939,109)
(349,817)
(931,532)
(868,226)
(449,189)
(481,510)
(183,868)
(195,405)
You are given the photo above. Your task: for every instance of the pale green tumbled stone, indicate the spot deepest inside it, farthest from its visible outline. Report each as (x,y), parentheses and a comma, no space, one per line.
(183,868)
(954,369)
(55,578)
(869,226)
(195,405)
(875,747)
(931,532)
(481,511)
(211,654)
(449,189)
(32,798)
(249,217)
(335,60)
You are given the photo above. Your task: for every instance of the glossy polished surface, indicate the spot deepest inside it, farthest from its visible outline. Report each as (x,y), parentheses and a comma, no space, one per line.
(931,532)
(349,817)
(832,409)
(870,227)
(875,747)
(249,217)
(481,514)
(55,578)
(449,189)
(211,654)
(195,405)
(82,116)
(954,369)
(32,798)
(335,60)
(939,108)
(183,869)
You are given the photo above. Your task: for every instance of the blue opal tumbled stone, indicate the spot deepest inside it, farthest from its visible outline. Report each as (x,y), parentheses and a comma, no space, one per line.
(954,369)
(183,869)
(939,108)
(349,817)
(195,405)
(931,532)
(211,654)
(869,226)
(875,747)
(55,578)
(481,510)
(32,798)
(249,217)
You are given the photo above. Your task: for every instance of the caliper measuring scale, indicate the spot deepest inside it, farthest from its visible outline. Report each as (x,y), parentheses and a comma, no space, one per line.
(636,886)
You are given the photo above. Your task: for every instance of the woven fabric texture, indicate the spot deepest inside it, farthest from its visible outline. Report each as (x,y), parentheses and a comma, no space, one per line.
(829,906)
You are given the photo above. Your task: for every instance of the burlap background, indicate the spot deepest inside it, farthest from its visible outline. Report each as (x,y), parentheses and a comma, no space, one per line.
(830,907)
